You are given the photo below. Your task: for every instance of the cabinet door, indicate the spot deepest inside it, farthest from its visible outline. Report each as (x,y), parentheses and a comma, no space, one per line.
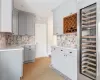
(22,23)
(53,58)
(70,67)
(11,64)
(56,59)
(15,21)
(54,23)
(31,53)
(6,15)
(74,75)
(57,27)
(26,54)
(30,24)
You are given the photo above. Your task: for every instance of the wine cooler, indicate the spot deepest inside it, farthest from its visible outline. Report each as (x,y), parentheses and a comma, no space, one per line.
(89,40)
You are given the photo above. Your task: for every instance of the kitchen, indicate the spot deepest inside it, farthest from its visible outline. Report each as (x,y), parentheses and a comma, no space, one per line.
(68,34)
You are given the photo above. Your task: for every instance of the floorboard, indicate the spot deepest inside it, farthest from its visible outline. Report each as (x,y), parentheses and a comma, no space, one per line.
(40,70)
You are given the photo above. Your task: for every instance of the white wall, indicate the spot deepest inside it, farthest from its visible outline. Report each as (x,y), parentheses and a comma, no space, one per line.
(52,39)
(50,30)
(50,33)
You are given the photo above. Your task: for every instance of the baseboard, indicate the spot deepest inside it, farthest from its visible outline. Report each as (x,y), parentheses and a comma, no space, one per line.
(61,74)
(30,61)
(41,57)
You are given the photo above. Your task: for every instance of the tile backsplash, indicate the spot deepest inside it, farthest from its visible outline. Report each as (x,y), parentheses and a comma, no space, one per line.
(2,40)
(7,39)
(68,40)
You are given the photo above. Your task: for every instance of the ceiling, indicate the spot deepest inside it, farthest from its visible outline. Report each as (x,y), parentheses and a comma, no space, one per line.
(39,7)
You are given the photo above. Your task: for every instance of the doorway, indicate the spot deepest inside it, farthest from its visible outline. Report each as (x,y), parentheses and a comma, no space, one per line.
(41,40)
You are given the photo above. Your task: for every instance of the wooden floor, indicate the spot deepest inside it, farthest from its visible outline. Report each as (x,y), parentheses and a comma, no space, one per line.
(40,70)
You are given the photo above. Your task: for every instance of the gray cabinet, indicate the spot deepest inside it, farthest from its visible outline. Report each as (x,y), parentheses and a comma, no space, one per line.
(29,53)
(22,19)
(11,64)
(26,23)
(26,50)
(15,22)
(30,24)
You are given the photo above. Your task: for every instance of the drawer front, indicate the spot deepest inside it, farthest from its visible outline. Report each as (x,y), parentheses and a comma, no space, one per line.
(55,49)
(65,51)
(72,52)
(30,46)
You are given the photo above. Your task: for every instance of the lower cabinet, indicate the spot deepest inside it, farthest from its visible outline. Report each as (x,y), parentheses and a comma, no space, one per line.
(56,60)
(65,62)
(70,67)
(26,53)
(11,64)
(29,54)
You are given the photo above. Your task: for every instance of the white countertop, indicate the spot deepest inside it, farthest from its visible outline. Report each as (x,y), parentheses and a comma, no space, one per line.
(15,47)
(65,47)
(11,48)
(23,45)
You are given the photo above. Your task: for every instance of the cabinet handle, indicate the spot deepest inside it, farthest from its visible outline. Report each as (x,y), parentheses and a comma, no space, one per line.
(65,55)
(70,52)
(61,50)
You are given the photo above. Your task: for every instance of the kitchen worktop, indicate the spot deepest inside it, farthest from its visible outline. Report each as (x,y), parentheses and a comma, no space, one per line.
(15,47)
(11,48)
(65,47)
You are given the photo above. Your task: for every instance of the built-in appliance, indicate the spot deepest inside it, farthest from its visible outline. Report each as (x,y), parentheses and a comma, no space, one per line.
(89,40)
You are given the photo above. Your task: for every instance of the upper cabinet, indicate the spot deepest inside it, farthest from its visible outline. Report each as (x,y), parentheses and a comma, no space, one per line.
(26,23)
(65,9)
(30,24)
(15,22)
(23,23)
(6,15)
